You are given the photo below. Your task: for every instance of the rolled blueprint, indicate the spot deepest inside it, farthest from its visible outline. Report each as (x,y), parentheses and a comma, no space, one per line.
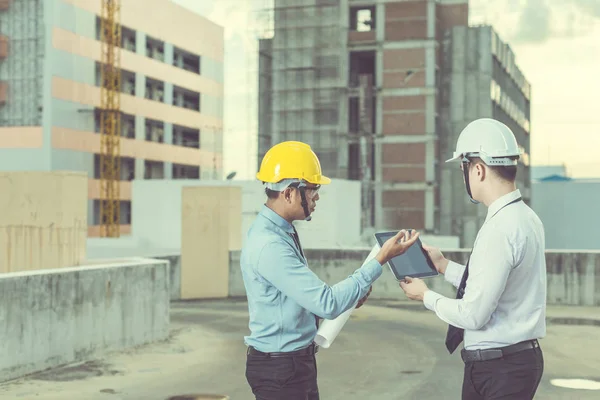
(329,329)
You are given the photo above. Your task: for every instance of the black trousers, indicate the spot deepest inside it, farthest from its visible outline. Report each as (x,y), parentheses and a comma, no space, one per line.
(283,378)
(516,377)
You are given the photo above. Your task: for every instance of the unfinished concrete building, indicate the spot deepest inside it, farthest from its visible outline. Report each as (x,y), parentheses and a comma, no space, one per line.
(361,81)
(171,93)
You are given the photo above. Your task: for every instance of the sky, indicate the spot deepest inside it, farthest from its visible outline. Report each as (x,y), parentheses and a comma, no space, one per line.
(556,45)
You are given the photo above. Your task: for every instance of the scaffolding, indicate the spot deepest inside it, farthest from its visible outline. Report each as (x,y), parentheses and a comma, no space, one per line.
(302,85)
(110,122)
(312,88)
(21,70)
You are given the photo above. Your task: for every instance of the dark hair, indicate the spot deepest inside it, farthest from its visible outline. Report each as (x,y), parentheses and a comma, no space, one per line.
(271,194)
(505,172)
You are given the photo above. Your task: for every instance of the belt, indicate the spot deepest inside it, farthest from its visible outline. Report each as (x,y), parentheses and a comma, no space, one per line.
(307,351)
(492,354)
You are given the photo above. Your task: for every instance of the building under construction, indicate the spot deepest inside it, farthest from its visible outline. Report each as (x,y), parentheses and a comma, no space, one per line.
(51,98)
(381,89)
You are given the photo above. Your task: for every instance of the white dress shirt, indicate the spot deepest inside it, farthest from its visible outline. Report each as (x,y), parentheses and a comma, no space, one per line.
(505,298)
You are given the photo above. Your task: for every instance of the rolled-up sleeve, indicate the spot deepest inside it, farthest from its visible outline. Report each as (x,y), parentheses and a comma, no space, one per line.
(280,265)
(489,269)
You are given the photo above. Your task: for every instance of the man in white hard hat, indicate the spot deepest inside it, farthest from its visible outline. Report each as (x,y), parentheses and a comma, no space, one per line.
(500,305)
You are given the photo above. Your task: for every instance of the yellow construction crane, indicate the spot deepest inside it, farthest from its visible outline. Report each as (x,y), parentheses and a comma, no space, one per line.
(110,119)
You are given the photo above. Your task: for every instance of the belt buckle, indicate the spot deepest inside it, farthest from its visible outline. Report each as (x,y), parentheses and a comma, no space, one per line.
(470,355)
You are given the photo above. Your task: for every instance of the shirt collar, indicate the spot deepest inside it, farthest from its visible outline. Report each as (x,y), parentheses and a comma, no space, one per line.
(276,219)
(501,202)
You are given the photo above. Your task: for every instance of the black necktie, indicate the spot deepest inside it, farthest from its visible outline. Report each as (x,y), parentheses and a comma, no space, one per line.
(297,241)
(455,335)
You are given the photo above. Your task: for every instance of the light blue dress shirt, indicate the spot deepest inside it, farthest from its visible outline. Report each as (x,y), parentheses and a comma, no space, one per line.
(284,295)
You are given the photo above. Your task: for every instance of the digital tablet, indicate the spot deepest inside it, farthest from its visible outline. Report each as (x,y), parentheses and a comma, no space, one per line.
(415,262)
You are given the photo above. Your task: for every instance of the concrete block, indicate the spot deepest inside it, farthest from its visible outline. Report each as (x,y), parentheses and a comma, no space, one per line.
(43,219)
(61,316)
(209,217)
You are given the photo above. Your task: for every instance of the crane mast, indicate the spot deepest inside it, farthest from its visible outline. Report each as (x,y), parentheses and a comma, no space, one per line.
(110,119)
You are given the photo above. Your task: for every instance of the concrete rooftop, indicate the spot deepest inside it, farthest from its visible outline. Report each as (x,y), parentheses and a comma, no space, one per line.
(388,350)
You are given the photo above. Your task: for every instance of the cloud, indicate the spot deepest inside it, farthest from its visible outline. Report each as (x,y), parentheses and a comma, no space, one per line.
(591,7)
(534,23)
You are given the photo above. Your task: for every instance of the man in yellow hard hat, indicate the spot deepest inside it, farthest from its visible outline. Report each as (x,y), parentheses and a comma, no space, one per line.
(285,298)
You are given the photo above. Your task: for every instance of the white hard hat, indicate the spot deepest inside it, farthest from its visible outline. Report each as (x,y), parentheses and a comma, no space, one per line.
(490,140)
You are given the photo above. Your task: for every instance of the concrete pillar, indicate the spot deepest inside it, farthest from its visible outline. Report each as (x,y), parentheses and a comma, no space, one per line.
(140,134)
(168,86)
(140,85)
(49,230)
(140,43)
(168,93)
(168,167)
(169,53)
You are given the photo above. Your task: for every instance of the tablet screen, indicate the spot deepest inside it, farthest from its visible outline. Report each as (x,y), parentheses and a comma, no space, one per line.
(414,263)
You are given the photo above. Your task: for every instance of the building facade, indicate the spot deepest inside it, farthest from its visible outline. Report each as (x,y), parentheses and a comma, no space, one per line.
(362,82)
(358,81)
(171,92)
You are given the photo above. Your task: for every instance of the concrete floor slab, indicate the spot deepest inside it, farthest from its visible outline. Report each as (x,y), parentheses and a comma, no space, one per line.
(386,351)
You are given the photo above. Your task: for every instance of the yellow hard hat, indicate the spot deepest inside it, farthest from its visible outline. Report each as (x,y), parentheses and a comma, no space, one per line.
(291,160)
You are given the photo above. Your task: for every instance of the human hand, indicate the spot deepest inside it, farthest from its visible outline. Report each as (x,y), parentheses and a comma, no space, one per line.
(397,245)
(414,288)
(439,261)
(364,299)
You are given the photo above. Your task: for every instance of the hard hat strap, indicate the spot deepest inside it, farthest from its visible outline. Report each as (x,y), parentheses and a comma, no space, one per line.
(301,186)
(302,190)
(465,163)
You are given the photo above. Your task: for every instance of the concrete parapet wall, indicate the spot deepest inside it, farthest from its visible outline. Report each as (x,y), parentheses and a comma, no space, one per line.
(54,317)
(174,275)
(573,277)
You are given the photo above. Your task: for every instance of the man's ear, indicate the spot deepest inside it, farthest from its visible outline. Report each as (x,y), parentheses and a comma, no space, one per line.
(481,171)
(287,194)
